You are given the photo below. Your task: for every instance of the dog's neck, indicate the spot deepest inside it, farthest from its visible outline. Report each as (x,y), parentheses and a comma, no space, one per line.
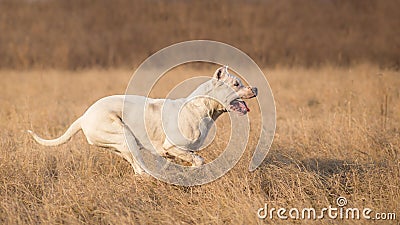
(196,115)
(205,106)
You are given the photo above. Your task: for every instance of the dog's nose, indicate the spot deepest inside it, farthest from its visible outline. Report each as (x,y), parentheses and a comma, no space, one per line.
(254,90)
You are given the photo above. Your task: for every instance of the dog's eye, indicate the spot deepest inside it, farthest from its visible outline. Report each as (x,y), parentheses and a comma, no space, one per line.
(236,84)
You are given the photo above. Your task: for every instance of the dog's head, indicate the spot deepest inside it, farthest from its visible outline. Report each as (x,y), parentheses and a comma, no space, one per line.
(231,91)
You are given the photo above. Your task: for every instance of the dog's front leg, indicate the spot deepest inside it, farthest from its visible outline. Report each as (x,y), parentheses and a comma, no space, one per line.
(186,156)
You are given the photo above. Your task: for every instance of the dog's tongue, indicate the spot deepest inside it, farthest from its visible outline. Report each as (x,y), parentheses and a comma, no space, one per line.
(243,106)
(239,106)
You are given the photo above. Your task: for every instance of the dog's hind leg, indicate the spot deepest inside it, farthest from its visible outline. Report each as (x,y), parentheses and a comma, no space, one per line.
(115,135)
(125,149)
(126,146)
(132,145)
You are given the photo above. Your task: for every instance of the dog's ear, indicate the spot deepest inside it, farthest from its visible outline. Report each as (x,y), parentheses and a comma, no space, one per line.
(220,72)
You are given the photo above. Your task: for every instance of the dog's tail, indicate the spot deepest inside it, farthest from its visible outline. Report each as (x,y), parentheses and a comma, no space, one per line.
(75,127)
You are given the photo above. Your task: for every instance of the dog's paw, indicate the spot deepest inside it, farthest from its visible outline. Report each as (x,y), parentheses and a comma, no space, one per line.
(162,152)
(197,161)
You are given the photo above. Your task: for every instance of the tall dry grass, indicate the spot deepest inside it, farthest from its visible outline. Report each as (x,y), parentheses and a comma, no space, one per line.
(71,34)
(337,135)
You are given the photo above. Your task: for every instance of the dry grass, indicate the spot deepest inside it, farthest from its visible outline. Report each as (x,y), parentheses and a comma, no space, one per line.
(337,135)
(71,34)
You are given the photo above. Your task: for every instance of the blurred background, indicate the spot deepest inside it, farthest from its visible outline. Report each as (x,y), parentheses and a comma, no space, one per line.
(75,34)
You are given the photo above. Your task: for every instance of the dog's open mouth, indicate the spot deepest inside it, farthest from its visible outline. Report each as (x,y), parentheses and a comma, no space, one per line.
(239,106)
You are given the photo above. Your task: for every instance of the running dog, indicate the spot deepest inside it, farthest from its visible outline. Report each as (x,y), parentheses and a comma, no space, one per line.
(173,128)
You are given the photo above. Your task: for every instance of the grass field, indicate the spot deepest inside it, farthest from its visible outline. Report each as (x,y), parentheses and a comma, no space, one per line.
(337,135)
(75,34)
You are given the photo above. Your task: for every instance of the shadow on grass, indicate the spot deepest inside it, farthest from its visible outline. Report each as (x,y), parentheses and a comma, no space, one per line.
(324,167)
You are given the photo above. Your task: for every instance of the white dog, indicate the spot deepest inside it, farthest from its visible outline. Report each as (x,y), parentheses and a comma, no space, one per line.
(178,132)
